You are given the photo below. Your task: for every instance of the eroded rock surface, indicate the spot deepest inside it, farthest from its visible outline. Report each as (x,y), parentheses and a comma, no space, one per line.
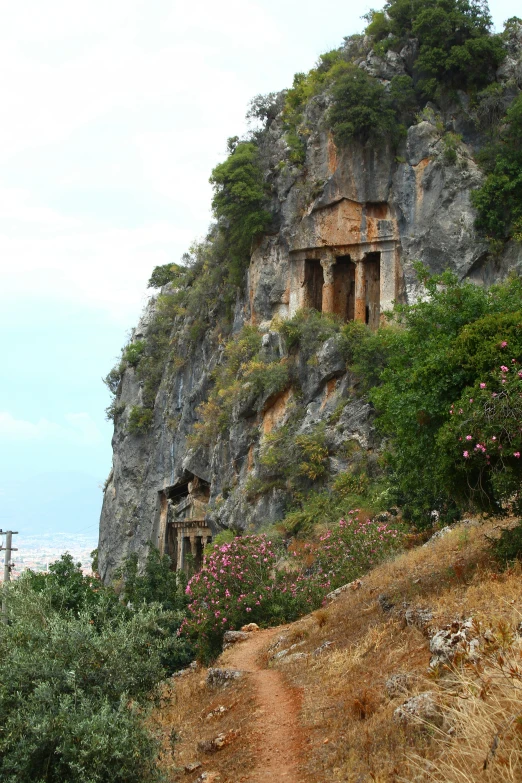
(384,206)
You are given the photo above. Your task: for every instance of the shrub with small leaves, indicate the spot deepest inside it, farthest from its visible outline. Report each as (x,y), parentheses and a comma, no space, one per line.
(140,420)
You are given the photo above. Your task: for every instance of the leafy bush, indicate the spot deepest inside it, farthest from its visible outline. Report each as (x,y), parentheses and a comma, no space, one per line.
(447,344)
(265,107)
(78,673)
(67,590)
(297,459)
(308,329)
(351,548)
(499,199)
(157,583)
(133,352)
(140,420)
(244,580)
(167,273)
(239,202)
(450,145)
(456,47)
(113,379)
(362,109)
(508,547)
(240,583)
(483,440)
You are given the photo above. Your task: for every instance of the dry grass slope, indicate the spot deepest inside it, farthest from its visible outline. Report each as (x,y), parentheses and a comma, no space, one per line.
(374,632)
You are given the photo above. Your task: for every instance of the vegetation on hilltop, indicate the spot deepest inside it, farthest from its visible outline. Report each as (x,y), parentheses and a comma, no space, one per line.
(456,47)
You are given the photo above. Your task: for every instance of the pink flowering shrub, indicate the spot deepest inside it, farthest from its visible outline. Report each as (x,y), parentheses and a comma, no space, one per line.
(483,439)
(242,582)
(254,579)
(354,546)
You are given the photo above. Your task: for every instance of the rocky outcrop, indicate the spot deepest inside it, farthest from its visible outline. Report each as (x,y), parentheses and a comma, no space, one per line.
(348,226)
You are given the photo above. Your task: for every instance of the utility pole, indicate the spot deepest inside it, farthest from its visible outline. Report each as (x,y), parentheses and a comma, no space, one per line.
(7,566)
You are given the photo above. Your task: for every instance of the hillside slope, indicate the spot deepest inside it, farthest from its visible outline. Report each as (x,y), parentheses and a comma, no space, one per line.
(440,620)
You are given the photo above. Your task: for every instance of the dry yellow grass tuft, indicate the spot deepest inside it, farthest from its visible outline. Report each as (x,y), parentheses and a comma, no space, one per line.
(191,713)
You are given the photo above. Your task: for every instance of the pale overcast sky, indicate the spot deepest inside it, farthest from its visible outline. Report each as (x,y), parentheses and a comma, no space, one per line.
(114,112)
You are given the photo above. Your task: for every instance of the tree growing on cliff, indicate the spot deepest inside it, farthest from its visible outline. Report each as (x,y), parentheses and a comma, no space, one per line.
(239,204)
(457,49)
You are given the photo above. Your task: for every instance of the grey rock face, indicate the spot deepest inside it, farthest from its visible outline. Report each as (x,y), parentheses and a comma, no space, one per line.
(452,641)
(217,678)
(233,637)
(420,710)
(399,684)
(425,211)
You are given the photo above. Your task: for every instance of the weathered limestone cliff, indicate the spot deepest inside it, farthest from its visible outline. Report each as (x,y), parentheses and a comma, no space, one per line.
(347,227)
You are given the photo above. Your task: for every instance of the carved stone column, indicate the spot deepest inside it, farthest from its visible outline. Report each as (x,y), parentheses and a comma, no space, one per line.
(328,303)
(360,292)
(179,535)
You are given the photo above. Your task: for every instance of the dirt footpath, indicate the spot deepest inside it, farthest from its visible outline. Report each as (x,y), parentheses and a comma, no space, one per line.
(278,736)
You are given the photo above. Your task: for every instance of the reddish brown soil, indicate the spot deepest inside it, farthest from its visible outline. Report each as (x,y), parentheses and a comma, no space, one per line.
(277,732)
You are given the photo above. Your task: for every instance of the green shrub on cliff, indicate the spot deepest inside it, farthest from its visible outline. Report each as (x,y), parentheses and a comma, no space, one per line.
(449,345)
(457,49)
(499,200)
(140,420)
(362,109)
(239,204)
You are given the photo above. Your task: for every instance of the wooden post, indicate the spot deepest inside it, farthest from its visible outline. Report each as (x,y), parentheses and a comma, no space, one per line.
(7,568)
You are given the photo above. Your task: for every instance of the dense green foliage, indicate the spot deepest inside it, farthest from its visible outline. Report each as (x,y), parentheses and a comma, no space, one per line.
(239,204)
(167,273)
(456,47)
(78,672)
(363,110)
(499,199)
(508,547)
(140,420)
(447,346)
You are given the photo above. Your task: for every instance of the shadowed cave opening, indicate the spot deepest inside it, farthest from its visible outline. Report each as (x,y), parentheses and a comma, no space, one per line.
(348,288)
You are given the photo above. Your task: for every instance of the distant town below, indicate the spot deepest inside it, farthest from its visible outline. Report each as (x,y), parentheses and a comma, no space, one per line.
(37,552)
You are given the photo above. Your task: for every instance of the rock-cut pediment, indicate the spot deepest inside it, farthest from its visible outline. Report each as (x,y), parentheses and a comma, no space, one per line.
(345,223)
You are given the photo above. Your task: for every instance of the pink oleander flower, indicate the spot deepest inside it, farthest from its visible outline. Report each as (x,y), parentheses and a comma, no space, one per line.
(516,454)
(503,368)
(482,385)
(471,399)
(469,437)
(503,344)
(465,454)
